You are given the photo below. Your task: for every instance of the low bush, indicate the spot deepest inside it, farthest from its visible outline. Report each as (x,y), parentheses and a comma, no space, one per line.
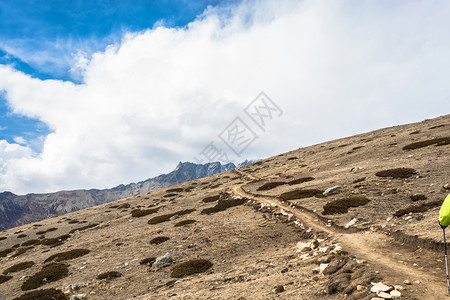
(83,228)
(416,209)
(301,194)
(170,195)
(73,221)
(148,261)
(55,241)
(341,206)
(292,158)
(67,255)
(47,294)
(137,213)
(166,217)
(184,222)
(437,141)
(223,205)
(21,251)
(19,267)
(175,190)
(190,267)
(211,198)
(5,252)
(159,239)
(270,185)
(3,238)
(21,236)
(4,278)
(300,180)
(397,173)
(31,242)
(51,272)
(418,197)
(109,275)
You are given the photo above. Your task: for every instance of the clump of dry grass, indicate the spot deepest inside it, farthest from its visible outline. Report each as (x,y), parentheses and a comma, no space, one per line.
(3,238)
(19,267)
(21,251)
(83,228)
(190,267)
(138,213)
(53,242)
(437,141)
(223,205)
(270,185)
(341,206)
(4,278)
(47,294)
(174,190)
(397,173)
(416,209)
(184,222)
(109,275)
(166,217)
(159,239)
(48,273)
(301,194)
(67,255)
(170,195)
(300,180)
(5,252)
(148,261)
(418,197)
(211,199)
(31,242)
(21,236)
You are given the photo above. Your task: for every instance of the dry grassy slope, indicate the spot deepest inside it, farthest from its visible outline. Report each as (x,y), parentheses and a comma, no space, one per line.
(252,251)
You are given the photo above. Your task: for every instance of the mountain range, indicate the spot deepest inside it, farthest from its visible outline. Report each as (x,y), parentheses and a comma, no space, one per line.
(16,210)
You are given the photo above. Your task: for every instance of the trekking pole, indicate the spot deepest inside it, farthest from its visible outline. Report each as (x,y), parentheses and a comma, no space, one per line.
(446,263)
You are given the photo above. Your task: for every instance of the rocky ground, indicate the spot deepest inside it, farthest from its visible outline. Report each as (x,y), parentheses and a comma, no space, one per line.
(319,222)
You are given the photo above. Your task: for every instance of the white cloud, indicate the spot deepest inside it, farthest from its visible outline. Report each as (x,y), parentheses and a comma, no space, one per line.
(162,95)
(20,140)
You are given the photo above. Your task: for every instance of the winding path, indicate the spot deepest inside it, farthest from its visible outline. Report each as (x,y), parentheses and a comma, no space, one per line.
(375,248)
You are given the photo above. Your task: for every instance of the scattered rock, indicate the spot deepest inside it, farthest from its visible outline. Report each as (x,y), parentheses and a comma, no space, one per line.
(331,190)
(160,261)
(395,294)
(407,282)
(380,287)
(360,287)
(351,223)
(77,286)
(446,186)
(78,297)
(279,289)
(384,295)
(174,217)
(399,287)
(354,169)
(322,267)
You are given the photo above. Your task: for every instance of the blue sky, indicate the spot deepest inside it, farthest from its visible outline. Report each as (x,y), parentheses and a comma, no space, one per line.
(39,38)
(94,94)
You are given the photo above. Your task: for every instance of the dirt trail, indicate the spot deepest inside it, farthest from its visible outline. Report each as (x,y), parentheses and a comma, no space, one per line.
(364,245)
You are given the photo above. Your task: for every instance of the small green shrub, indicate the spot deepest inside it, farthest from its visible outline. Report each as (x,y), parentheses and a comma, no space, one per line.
(19,267)
(148,261)
(83,228)
(47,294)
(437,141)
(137,213)
(270,185)
(300,180)
(416,209)
(51,272)
(301,194)
(4,278)
(184,222)
(190,267)
(341,206)
(418,197)
(211,199)
(166,217)
(109,275)
(71,254)
(397,173)
(223,205)
(159,240)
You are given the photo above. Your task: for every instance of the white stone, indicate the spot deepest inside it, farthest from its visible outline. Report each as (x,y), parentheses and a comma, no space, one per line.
(351,223)
(407,282)
(331,190)
(78,297)
(303,246)
(399,287)
(322,267)
(380,287)
(384,295)
(395,294)
(337,249)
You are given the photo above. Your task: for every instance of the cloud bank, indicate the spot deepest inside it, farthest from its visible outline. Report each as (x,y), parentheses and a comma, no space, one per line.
(162,95)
